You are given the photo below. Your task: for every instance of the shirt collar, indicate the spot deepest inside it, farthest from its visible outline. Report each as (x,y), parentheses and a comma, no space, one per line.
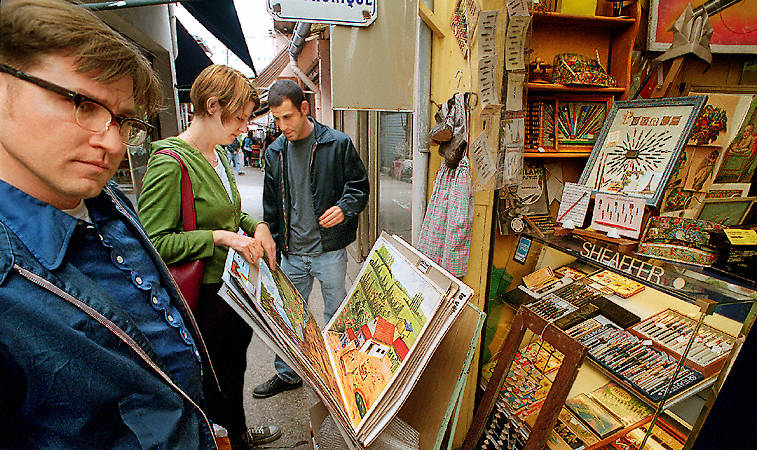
(44,229)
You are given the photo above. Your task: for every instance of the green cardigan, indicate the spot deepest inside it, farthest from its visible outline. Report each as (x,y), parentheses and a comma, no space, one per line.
(160,204)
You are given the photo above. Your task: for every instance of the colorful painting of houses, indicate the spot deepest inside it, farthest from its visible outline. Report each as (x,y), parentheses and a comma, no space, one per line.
(374,331)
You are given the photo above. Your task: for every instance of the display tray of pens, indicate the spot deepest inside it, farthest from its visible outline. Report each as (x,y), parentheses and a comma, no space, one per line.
(647,369)
(551,307)
(670,330)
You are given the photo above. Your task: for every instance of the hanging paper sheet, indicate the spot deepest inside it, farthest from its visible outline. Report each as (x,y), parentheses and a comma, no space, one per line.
(515,42)
(487,61)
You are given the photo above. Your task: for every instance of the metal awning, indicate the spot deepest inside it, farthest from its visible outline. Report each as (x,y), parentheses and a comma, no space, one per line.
(189,63)
(218,16)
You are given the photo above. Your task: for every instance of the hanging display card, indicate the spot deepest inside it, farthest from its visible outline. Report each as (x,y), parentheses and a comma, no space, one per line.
(515,42)
(532,192)
(484,164)
(574,204)
(487,61)
(517,8)
(639,145)
(511,149)
(514,100)
(618,212)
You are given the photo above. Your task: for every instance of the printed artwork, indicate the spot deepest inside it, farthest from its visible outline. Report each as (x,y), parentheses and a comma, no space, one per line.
(287,310)
(532,191)
(595,416)
(376,327)
(720,126)
(732,23)
(622,404)
(726,212)
(701,168)
(639,146)
(740,157)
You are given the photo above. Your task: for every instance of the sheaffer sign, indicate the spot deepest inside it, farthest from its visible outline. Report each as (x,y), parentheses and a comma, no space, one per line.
(359,13)
(624,263)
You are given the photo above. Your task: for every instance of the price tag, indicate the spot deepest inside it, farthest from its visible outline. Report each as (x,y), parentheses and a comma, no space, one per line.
(646,342)
(741,237)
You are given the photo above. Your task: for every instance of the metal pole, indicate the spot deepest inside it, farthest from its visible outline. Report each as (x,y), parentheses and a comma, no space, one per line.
(122,4)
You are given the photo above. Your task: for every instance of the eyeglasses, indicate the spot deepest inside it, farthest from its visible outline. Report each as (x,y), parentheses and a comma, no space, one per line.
(89,113)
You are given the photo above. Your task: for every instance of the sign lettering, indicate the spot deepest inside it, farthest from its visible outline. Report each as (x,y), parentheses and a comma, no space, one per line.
(624,263)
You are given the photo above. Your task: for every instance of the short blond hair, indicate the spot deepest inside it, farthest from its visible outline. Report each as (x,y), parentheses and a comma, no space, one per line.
(32,29)
(230,86)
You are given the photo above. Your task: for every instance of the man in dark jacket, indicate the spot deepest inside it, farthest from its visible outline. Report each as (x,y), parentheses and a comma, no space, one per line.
(315,187)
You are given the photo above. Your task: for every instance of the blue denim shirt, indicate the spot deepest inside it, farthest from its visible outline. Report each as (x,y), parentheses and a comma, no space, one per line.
(90,375)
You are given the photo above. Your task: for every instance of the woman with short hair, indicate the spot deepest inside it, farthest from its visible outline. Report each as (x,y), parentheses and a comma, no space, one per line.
(223,99)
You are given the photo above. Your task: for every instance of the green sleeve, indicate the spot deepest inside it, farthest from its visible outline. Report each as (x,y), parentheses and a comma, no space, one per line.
(248,224)
(160,210)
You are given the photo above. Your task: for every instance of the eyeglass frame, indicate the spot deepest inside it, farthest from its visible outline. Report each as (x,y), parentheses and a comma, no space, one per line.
(77,98)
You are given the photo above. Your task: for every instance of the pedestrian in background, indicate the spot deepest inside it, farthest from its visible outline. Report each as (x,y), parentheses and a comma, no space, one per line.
(232,153)
(247,144)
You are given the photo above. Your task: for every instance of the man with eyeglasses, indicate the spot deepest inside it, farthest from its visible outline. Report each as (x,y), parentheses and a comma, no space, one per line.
(97,347)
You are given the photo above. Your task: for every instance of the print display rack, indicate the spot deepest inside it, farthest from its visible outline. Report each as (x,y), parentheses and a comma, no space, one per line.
(680,335)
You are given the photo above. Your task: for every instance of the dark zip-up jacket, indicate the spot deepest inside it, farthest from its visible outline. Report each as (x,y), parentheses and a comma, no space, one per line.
(337,178)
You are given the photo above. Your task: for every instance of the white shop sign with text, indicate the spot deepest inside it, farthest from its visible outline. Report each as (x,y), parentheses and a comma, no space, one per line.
(358,13)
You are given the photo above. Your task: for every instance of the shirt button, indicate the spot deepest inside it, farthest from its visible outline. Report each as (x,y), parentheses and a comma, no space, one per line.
(155,300)
(120,259)
(138,280)
(170,318)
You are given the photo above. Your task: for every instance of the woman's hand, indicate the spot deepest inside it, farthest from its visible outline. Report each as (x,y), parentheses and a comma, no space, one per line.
(249,248)
(263,235)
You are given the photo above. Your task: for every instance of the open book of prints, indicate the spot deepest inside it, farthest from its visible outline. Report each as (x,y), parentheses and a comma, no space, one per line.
(367,359)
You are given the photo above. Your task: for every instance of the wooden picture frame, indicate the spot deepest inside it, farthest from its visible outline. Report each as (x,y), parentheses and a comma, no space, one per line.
(731,26)
(578,121)
(725,211)
(565,123)
(639,145)
(573,352)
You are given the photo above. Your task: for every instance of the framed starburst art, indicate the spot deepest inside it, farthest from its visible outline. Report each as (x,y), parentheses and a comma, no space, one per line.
(639,144)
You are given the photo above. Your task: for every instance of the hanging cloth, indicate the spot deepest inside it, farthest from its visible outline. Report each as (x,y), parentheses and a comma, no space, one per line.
(447,228)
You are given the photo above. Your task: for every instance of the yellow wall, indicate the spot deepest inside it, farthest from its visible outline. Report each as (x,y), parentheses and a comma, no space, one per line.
(451,73)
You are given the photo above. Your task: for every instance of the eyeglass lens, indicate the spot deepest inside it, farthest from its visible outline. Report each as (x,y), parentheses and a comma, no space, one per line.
(94,117)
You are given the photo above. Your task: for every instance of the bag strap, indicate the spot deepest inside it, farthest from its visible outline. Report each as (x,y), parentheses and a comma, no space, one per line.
(187,198)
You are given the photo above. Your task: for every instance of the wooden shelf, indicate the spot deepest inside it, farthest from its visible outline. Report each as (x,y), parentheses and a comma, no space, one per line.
(550,87)
(534,154)
(584,21)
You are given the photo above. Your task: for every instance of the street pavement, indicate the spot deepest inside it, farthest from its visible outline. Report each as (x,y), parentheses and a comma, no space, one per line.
(288,410)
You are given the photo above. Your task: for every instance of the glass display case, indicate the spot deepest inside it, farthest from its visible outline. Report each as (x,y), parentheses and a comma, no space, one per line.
(652,342)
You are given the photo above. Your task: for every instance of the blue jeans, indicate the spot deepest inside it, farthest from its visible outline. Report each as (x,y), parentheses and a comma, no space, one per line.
(234,161)
(330,269)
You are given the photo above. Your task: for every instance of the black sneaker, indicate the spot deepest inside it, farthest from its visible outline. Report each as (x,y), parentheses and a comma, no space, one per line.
(273,387)
(261,435)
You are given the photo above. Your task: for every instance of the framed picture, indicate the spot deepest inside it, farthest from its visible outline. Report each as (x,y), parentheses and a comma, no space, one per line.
(639,146)
(565,123)
(579,120)
(725,211)
(732,23)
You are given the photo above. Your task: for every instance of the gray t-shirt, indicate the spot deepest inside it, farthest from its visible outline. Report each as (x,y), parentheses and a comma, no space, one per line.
(305,238)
